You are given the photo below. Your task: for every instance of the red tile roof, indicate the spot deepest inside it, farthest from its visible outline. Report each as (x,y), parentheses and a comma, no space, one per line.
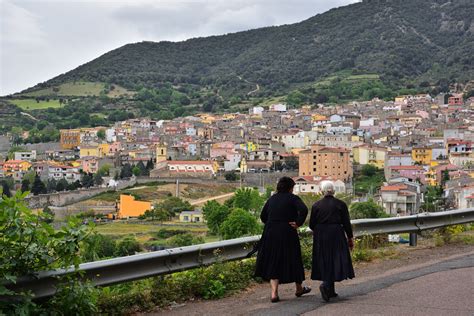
(396,187)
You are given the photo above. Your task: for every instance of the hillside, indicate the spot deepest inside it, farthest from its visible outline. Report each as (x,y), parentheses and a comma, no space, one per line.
(414,42)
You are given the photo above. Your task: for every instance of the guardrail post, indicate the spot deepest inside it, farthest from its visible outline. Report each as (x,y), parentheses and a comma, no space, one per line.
(413,239)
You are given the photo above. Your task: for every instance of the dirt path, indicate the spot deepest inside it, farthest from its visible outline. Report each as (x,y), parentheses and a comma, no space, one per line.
(256,298)
(218,197)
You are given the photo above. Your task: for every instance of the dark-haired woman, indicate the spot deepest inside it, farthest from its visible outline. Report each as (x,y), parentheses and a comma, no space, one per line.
(279,255)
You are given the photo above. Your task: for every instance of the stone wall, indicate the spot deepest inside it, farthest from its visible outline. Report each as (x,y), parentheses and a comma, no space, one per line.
(71,197)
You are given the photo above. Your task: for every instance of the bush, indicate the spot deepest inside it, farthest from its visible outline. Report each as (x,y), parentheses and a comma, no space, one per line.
(167,233)
(210,282)
(30,244)
(127,246)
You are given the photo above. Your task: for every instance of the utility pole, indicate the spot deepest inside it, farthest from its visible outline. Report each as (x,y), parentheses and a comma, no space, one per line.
(177,188)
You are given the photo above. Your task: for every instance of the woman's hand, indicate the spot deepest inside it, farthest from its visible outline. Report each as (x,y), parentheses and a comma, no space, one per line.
(350,241)
(294,225)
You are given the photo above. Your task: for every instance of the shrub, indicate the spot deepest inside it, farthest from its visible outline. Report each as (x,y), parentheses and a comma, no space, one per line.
(127,246)
(30,244)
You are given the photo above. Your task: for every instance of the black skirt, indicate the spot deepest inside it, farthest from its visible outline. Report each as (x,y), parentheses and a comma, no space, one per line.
(331,256)
(279,254)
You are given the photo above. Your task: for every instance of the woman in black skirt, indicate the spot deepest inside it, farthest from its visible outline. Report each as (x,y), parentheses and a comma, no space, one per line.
(279,254)
(332,238)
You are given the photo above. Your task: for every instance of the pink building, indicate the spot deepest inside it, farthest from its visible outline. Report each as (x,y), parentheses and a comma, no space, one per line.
(89,164)
(411,172)
(222,149)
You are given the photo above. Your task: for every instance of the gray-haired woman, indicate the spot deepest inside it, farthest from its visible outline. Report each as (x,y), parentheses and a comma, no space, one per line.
(332,239)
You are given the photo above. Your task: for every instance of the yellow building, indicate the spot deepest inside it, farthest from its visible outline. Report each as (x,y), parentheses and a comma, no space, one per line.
(128,207)
(317,118)
(103,149)
(12,167)
(370,155)
(430,177)
(89,151)
(421,155)
(249,146)
(161,153)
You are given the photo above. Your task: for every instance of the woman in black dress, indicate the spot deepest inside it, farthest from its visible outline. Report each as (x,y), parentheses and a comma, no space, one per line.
(279,254)
(332,238)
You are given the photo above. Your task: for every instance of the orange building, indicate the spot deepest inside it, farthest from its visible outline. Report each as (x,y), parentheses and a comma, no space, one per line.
(70,138)
(128,207)
(322,161)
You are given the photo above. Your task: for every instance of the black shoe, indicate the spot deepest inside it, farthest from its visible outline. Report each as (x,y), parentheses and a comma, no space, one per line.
(333,294)
(276,299)
(305,290)
(324,293)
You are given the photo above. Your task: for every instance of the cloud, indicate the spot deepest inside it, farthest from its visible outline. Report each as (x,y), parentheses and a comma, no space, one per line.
(43,38)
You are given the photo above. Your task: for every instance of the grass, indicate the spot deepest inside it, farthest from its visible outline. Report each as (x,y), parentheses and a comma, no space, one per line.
(31,104)
(80,89)
(129,228)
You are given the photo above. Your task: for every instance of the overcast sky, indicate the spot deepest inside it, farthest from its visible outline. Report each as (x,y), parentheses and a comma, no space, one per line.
(42,39)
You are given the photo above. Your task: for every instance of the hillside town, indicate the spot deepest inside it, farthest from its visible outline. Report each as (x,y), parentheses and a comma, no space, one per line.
(417,142)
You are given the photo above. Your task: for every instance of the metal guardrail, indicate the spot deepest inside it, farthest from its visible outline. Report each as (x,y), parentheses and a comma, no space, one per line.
(135,267)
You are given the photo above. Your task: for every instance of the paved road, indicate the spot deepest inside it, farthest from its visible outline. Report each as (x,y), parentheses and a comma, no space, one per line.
(440,289)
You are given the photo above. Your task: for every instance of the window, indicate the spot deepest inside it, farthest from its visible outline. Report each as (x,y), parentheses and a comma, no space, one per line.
(186,218)
(314,169)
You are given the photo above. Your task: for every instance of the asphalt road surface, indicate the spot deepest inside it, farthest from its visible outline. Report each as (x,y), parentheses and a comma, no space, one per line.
(430,281)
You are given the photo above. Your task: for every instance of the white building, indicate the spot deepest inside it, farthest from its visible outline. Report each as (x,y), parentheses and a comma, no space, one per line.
(309,184)
(58,172)
(256,110)
(280,107)
(25,155)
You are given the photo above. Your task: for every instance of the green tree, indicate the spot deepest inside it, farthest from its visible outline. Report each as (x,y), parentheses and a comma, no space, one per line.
(143,170)
(25,185)
(149,165)
(231,176)
(136,171)
(126,171)
(62,185)
(6,189)
(369,170)
(239,223)
(104,170)
(51,185)
(296,98)
(101,134)
(30,176)
(87,180)
(174,205)
(368,209)
(249,200)
(98,180)
(215,214)
(38,186)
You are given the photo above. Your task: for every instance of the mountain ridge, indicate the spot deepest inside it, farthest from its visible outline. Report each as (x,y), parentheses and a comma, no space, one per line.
(403,41)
